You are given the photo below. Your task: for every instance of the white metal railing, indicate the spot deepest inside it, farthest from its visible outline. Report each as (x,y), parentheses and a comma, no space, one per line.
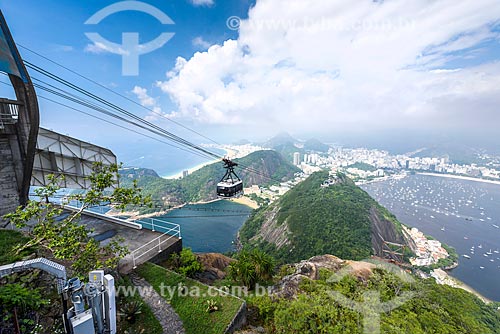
(157,245)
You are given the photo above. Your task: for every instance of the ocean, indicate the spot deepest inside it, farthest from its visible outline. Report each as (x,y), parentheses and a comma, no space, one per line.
(165,160)
(461,213)
(210,227)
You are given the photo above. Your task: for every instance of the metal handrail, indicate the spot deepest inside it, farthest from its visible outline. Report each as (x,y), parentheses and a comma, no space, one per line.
(176,228)
(154,241)
(159,225)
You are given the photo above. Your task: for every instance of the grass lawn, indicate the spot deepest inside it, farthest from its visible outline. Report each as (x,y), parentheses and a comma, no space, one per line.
(8,240)
(192,309)
(145,321)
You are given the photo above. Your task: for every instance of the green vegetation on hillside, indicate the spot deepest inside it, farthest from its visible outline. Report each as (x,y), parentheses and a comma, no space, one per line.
(363,166)
(190,299)
(332,220)
(433,309)
(201,184)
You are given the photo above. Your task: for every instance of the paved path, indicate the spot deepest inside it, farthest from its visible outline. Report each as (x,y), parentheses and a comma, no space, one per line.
(162,310)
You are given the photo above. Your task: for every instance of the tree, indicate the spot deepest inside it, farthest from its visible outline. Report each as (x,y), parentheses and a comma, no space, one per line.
(252,267)
(189,264)
(68,240)
(16,298)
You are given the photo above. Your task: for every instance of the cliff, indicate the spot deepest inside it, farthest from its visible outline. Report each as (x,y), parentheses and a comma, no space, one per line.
(341,219)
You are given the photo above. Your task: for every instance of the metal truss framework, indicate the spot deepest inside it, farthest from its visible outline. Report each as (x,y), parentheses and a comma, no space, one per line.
(58,154)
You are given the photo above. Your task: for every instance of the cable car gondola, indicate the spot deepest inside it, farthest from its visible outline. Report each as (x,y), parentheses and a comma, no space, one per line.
(230,185)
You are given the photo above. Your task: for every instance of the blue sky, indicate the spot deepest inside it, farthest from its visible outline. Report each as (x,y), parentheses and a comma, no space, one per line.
(331,69)
(56,29)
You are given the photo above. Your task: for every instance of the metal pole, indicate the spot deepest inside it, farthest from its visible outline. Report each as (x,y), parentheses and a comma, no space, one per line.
(153,223)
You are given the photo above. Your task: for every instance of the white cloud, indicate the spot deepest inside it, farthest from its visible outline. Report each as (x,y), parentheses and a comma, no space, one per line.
(99,48)
(200,43)
(331,65)
(207,3)
(144,98)
(151,103)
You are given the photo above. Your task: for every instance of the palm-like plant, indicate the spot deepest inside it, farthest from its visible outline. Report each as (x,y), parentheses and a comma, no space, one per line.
(251,267)
(264,264)
(131,310)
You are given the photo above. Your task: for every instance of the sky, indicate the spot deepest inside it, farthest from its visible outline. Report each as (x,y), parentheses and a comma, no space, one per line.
(363,72)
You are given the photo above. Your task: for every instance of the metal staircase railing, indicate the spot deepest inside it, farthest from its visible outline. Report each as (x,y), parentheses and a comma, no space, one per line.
(9,112)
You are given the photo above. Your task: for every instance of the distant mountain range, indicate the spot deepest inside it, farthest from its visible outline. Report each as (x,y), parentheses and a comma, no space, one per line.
(315,145)
(280,139)
(285,140)
(286,145)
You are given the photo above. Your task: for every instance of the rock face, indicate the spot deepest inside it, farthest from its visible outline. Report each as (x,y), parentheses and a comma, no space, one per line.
(214,265)
(383,230)
(288,287)
(271,231)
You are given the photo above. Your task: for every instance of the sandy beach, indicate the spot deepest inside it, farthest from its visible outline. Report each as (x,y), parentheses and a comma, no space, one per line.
(240,200)
(190,170)
(460,177)
(246,201)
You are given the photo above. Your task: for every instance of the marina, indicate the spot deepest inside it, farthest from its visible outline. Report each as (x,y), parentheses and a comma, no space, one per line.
(454,211)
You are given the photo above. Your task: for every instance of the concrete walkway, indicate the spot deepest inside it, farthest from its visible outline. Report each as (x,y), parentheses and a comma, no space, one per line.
(162,310)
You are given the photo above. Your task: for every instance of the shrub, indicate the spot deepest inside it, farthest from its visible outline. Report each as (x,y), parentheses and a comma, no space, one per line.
(189,264)
(252,267)
(131,310)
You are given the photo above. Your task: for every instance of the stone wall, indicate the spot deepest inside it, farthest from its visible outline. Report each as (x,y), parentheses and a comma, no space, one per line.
(165,254)
(9,197)
(239,320)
